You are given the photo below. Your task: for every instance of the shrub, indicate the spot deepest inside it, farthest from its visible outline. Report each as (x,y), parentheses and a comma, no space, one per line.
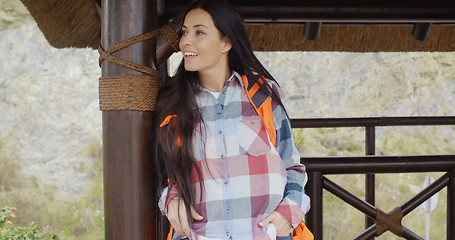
(32,232)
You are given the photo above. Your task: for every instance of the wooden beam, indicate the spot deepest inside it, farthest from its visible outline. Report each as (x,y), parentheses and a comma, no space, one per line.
(347,26)
(335,11)
(129,185)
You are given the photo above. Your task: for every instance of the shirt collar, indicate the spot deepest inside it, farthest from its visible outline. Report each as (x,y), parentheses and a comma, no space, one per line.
(235,75)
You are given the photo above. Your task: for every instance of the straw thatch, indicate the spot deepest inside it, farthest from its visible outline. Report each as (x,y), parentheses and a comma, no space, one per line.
(369,38)
(76,23)
(67,23)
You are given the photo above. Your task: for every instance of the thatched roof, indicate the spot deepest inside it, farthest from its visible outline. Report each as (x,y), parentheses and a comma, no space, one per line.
(351,38)
(349,25)
(67,23)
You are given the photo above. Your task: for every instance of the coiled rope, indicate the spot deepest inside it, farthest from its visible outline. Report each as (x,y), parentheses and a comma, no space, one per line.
(132,92)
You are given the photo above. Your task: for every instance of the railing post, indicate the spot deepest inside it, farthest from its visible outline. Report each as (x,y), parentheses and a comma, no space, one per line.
(313,218)
(370,145)
(451,206)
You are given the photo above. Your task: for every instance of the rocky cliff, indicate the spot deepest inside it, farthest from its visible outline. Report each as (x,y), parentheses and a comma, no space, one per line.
(48,105)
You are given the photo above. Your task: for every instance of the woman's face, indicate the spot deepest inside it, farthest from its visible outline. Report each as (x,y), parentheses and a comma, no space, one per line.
(203,47)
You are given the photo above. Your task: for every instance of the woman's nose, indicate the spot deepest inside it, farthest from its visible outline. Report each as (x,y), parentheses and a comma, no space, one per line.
(186,40)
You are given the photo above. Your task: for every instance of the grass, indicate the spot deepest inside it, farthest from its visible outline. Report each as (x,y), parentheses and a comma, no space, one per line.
(329,141)
(9,170)
(70,217)
(341,221)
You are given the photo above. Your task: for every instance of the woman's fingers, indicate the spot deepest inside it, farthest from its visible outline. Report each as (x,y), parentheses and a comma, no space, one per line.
(283,227)
(196,215)
(183,218)
(267,220)
(177,216)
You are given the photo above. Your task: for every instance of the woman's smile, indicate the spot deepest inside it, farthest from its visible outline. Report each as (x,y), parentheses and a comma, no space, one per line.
(188,55)
(202,44)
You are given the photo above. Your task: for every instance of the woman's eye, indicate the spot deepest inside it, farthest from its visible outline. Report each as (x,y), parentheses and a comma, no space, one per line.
(183,32)
(199,32)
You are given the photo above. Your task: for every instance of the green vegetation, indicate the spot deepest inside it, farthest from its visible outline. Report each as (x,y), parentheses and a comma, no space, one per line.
(9,231)
(70,217)
(342,221)
(330,141)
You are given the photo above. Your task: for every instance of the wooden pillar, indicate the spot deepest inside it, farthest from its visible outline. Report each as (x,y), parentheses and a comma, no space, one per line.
(129,186)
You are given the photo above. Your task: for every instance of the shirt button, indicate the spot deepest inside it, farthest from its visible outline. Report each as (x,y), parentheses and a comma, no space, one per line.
(224,92)
(222,156)
(219,112)
(252,123)
(227,208)
(227,234)
(220,132)
(225,181)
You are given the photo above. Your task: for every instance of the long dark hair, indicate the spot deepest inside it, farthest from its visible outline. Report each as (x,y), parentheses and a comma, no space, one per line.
(178,97)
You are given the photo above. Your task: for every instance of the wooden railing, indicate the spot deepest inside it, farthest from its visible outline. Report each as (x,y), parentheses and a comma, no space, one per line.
(376,221)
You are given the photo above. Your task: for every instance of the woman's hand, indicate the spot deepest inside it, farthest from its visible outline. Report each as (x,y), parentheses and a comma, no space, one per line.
(282,225)
(176,214)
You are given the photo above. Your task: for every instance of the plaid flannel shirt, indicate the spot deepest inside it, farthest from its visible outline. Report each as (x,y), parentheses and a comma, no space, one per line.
(245,178)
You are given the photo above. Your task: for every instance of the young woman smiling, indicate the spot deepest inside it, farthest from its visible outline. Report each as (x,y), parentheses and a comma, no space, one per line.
(223,177)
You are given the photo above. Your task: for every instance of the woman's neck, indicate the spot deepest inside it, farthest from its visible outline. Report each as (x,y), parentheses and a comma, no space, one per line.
(214,81)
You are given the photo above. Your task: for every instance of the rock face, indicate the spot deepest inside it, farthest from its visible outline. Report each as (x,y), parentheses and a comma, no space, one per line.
(365,84)
(49,98)
(48,105)
(12,14)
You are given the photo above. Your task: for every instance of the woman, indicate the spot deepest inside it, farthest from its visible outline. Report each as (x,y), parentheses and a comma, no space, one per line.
(223,176)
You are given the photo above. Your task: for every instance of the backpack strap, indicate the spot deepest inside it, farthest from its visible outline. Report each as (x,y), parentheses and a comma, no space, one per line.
(261,102)
(169,235)
(167,120)
(301,232)
(263,105)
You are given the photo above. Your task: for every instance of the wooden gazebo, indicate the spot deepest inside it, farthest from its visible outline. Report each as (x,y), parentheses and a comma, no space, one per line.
(130,79)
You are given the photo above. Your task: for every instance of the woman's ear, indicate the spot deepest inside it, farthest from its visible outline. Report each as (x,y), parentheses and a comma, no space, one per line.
(227,44)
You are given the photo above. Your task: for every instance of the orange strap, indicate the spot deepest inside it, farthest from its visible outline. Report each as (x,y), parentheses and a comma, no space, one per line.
(264,111)
(173,183)
(301,232)
(166,120)
(169,235)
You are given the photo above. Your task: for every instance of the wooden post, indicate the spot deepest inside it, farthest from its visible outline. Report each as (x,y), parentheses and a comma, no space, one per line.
(313,218)
(451,206)
(129,186)
(370,178)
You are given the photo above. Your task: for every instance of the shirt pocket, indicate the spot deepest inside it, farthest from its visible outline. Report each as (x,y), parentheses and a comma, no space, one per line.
(253,138)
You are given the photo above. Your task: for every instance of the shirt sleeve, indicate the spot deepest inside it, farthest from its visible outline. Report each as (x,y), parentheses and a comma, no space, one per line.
(162,203)
(295,203)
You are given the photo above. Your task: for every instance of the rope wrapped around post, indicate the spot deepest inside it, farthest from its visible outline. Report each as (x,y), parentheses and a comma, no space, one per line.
(132,92)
